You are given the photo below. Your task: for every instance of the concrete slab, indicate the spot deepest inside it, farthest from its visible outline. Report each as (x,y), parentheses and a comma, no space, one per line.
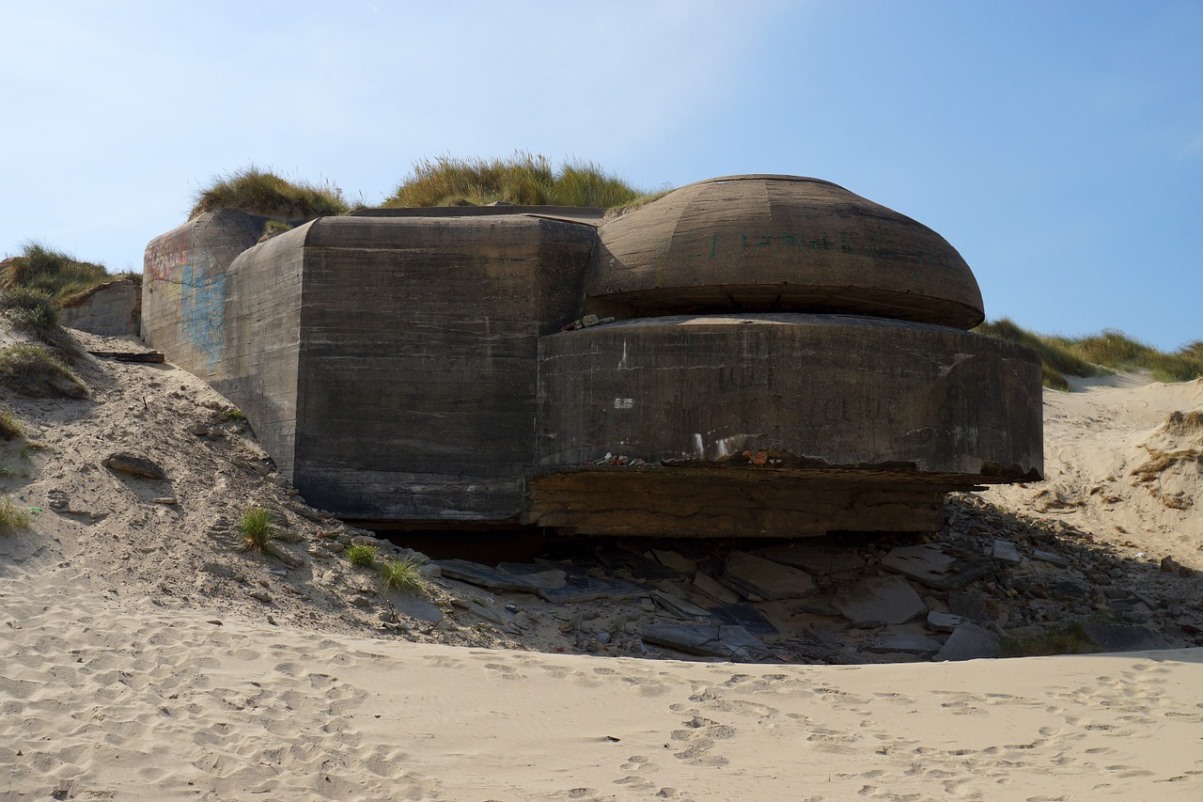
(814,558)
(727,642)
(887,599)
(969,642)
(766,579)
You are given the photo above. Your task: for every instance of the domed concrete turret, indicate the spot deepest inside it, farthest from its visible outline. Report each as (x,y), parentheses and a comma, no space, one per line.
(770,243)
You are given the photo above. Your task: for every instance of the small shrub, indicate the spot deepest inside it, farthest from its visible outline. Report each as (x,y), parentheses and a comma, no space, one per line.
(362,555)
(30,309)
(10,427)
(257,530)
(401,574)
(54,273)
(12,517)
(260,192)
(273,227)
(33,371)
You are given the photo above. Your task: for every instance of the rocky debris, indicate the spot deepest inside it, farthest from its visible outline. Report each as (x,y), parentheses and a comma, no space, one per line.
(134,465)
(1109,636)
(936,565)
(766,579)
(816,559)
(728,642)
(943,622)
(885,600)
(969,642)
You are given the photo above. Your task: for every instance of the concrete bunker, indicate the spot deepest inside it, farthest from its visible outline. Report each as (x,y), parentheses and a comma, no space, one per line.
(746,356)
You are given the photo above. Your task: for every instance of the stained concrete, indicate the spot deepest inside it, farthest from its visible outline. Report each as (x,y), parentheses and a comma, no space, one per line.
(780,243)
(411,367)
(112,309)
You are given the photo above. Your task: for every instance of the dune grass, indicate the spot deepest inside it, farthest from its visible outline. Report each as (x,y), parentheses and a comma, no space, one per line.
(32,370)
(1099,353)
(255,525)
(53,273)
(402,574)
(525,179)
(13,518)
(361,555)
(262,192)
(10,427)
(30,309)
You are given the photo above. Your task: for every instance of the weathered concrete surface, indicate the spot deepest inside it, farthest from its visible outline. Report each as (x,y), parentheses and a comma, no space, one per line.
(409,367)
(793,391)
(780,244)
(184,286)
(113,309)
(419,360)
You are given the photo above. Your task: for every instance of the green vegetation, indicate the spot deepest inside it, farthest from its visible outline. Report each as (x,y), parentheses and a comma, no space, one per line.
(257,530)
(259,192)
(12,517)
(55,274)
(402,574)
(33,371)
(30,309)
(10,427)
(273,227)
(1099,353)
(524,179)
(361,555)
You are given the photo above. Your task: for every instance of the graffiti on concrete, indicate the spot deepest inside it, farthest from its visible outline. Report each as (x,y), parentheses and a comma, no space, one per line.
(202,311)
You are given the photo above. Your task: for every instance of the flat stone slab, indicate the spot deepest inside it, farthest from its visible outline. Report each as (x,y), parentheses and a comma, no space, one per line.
(944,622)
(1005,551)
(711,588)
(969,642)
(931,565)
(676,561)
(483,575)
(679,606)
(1122,637)
(415,607)
(887,599)
(813,558)
(746,616)
(908,642)
(134,465)
(767,579)
(707,640)
(1051,557)
(589,588)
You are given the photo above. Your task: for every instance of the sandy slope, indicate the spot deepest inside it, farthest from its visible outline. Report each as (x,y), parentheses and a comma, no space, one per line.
(1097,440)
(138,662)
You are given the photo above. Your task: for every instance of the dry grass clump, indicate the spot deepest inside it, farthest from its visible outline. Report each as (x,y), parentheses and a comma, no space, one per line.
(33,371)
(12,517)
(525,179)
(255,524)
(54,273)
(1090,356)
(10,427)
(402,574)
(361,555)
(261,192)
(30,309)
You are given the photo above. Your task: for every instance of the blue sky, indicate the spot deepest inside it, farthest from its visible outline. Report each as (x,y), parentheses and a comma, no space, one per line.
(1057,145)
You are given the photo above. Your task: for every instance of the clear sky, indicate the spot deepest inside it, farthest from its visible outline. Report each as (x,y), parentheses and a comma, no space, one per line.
(1057,145)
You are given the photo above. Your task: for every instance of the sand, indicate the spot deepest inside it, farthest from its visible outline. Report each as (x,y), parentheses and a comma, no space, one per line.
(132,667)
(109,698)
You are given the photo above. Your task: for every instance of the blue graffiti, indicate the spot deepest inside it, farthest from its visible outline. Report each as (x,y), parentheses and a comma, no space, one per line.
(203,312)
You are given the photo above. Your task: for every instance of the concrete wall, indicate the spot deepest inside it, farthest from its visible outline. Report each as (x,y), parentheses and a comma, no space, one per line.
(812,390)
(113,309)
(416,397)
(184,293)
